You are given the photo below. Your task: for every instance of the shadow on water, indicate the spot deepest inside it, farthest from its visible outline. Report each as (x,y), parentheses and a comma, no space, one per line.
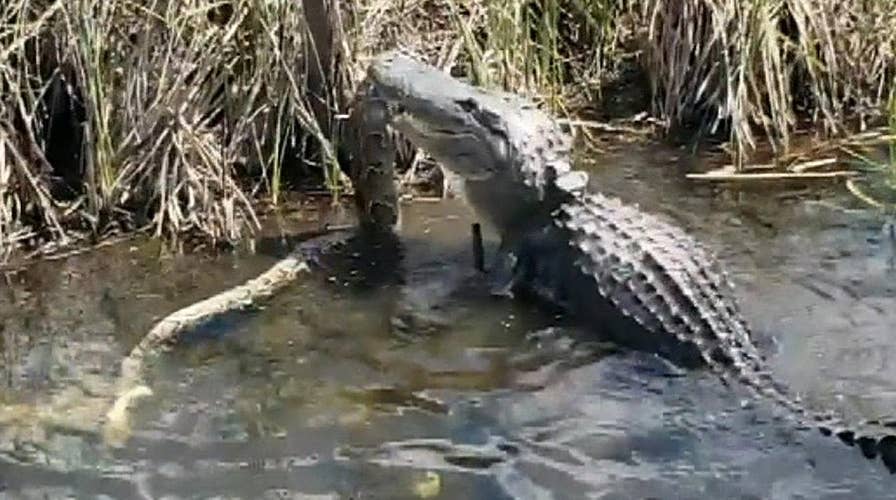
(391,362)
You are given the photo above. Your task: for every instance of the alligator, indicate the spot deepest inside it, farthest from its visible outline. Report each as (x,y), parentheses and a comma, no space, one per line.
(636,277)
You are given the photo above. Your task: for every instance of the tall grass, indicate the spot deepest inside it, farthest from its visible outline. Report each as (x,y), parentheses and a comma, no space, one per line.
(26,202)
(556,50)
(176,95)
(178,115)
(764,65)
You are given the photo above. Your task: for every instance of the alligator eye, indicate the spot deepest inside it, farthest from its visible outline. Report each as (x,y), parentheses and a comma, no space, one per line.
(468,105)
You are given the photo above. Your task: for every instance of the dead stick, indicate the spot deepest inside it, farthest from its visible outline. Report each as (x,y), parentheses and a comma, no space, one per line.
(478,260)
(734,177)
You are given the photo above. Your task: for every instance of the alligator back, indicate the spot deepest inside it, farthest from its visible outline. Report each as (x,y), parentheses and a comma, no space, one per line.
(660,277)
(612,261)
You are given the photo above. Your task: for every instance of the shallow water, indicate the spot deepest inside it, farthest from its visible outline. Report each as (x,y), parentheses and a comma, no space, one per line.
(393,370)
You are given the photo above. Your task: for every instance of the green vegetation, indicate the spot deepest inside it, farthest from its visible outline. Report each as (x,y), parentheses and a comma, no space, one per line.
(176,117)
(878,187)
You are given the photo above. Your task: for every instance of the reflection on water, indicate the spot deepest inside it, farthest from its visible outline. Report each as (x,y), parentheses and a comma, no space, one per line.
(392,374)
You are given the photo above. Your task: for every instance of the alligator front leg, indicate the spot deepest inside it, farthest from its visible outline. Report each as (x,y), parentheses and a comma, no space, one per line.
(516,256)
(538,257)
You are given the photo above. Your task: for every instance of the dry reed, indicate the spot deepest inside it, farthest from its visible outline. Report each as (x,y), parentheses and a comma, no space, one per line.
(177,116)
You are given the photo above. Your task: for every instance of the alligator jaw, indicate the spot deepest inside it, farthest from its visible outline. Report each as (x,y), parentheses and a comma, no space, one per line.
(472,164)
(473,132)
(438,115)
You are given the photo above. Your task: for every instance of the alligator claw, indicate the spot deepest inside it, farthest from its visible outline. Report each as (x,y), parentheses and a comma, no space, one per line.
(501,289)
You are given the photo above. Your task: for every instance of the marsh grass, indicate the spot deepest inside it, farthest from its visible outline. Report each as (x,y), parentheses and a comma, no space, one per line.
(26,201)
(877,160)
(177,116)
(763,66)
(176,97)
(557,51)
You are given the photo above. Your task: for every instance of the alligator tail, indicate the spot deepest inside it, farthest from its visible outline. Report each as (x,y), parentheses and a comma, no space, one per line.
(874,438)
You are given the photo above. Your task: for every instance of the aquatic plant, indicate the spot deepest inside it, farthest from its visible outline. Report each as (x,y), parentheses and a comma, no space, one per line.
(878,187)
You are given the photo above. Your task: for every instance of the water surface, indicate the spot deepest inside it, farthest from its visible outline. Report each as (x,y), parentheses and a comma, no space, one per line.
(392,370)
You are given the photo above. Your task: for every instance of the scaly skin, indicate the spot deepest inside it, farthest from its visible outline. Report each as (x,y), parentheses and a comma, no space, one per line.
(634,276)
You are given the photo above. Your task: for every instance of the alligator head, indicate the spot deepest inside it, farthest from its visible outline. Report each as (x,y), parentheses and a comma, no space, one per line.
(475,133)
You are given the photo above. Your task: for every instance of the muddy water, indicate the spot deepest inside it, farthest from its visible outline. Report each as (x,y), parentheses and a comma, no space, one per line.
(392,374)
